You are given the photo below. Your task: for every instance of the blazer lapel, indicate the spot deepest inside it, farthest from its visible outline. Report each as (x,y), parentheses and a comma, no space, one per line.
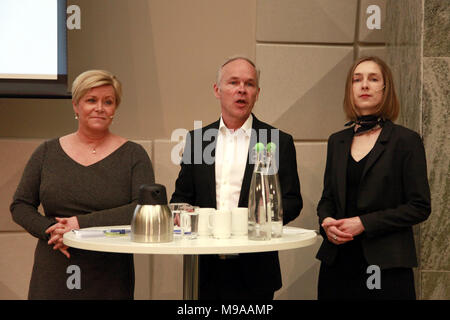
(342,160)
(378,148)
(245,188)
(249,167)
(210,168)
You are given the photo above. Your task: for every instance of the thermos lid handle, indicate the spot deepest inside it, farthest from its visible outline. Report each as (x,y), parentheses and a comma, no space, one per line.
(154,194)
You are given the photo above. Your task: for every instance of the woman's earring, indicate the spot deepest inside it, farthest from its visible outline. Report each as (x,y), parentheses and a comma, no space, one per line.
(76,116)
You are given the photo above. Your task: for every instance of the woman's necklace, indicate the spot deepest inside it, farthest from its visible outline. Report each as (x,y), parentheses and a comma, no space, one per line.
(94,147)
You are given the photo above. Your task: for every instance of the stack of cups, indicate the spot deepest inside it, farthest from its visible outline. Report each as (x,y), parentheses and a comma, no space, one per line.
(222,224)
(203,221)
(239,222)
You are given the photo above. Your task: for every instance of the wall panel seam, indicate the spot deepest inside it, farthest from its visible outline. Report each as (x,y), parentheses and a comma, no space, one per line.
(328,44)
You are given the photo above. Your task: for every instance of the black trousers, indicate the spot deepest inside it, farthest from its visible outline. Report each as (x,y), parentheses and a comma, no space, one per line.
(227,283)
(347,278)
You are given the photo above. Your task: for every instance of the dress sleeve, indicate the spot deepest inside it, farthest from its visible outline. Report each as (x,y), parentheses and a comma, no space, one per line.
(141,173)
(26,200)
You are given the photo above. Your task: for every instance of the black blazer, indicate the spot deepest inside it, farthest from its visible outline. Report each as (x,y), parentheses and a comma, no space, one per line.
(393,195)
(196,184)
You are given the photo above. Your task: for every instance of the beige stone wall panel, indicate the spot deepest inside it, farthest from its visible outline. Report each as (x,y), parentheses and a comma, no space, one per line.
(302,88)
(305,21)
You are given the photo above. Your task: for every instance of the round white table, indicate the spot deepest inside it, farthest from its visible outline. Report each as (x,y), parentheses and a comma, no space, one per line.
(190,249)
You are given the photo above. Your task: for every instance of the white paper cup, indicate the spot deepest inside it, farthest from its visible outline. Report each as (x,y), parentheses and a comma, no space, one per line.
(203,221)
(239,222)
(220,224)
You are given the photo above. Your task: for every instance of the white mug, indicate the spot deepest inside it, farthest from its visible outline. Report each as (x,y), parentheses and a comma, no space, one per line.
(220,224)
(239,222)
(203,221)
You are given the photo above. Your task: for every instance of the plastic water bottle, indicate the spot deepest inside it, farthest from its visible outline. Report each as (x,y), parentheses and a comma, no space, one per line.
(259,218)
(274,203)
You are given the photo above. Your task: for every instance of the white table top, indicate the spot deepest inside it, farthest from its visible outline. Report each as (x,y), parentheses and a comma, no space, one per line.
(292,238)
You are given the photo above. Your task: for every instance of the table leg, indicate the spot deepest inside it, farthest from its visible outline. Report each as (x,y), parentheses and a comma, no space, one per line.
(190,277)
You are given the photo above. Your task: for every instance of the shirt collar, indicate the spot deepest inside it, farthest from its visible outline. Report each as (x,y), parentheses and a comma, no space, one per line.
(246,127)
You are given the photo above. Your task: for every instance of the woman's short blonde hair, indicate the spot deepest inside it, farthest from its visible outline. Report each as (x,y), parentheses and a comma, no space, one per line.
(389,107)
(92,79)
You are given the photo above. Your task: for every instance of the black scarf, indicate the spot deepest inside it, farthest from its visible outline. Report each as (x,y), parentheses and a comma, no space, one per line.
(366,123)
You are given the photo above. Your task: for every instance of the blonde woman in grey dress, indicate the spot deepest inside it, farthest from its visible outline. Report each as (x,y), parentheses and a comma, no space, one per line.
(84,179)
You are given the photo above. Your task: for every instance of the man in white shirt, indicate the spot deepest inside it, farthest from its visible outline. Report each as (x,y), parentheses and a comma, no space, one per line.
(231,158)
(223,181)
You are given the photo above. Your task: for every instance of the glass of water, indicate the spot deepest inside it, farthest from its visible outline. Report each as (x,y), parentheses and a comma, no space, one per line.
(189,223)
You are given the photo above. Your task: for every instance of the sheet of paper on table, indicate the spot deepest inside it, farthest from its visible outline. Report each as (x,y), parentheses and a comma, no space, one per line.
(291,230)
(100,233)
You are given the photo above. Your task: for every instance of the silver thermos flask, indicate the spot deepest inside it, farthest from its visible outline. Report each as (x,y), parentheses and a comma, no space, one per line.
(152,220)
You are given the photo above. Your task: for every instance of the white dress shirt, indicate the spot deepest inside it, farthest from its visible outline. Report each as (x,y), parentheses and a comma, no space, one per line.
(231,159)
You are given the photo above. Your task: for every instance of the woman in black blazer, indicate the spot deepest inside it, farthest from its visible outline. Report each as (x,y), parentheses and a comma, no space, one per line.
(375,190)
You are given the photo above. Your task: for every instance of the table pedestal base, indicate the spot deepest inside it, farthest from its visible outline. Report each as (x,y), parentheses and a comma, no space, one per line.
(190,277)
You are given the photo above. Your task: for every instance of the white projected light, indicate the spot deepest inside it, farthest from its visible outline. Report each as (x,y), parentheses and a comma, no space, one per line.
(29,39)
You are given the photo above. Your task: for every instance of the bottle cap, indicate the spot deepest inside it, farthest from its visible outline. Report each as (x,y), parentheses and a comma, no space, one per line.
(259,147)
(271,147)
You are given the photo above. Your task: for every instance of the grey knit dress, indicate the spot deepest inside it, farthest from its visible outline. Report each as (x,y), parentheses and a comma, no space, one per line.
(102,194)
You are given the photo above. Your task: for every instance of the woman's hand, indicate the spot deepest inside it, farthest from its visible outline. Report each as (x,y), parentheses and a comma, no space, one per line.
(64,251)
(64,225)
(57,231)
(56,237)
(334,233)
(352,226)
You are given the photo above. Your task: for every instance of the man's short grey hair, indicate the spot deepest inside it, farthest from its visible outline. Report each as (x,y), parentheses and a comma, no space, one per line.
(234,58)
